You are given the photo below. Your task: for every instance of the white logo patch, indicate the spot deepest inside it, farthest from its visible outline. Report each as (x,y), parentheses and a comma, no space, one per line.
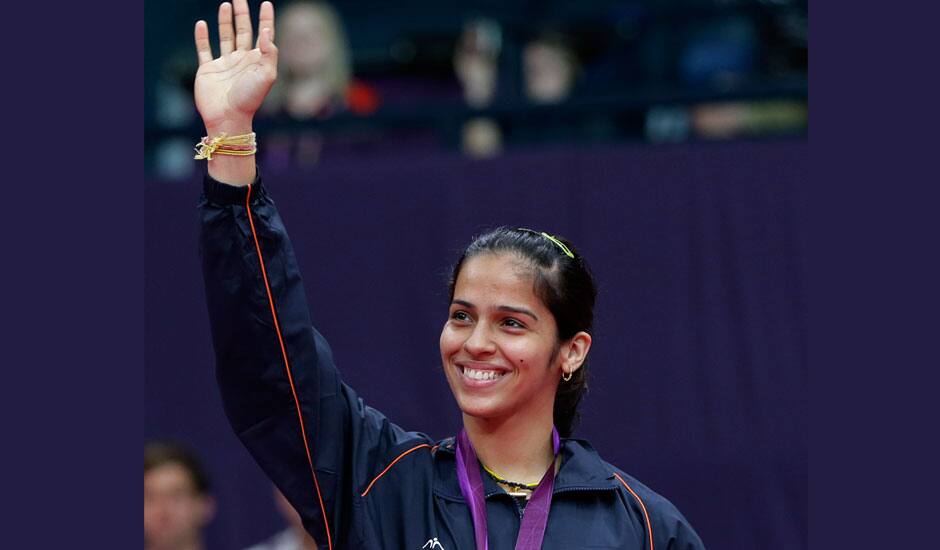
(433,544)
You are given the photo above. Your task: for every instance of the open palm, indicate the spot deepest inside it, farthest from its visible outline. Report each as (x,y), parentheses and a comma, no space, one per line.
(232,86)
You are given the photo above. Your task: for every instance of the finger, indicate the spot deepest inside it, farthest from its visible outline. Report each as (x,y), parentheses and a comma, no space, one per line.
(266,19)
(264,42)
(203,48)
(226,33)
(242,25)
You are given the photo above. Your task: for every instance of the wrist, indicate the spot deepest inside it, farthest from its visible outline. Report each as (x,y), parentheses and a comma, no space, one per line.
(232,170)
(229,127)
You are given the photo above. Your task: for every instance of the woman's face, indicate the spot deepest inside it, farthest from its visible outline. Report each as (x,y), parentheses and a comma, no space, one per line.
(499,345)
(306,40)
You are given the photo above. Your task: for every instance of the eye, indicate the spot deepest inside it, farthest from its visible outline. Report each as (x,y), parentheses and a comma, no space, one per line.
(512,323)
(460,315)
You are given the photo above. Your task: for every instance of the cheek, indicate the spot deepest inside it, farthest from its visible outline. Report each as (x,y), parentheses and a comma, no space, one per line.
(527,354)
(200,513)
(449,342)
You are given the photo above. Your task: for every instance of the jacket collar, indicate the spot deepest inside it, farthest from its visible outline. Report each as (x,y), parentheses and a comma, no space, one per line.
(581,469)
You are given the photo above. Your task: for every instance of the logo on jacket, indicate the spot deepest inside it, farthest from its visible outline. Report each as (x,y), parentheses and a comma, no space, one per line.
(433,544)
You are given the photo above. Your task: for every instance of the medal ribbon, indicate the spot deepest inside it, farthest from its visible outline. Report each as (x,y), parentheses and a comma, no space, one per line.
(532,530)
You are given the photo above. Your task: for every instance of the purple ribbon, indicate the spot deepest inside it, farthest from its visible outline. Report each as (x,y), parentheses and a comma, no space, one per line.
(532,530)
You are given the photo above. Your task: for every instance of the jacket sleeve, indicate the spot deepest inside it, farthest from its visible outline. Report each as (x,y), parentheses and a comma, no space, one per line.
(670,529)
(283,396)
(674,532)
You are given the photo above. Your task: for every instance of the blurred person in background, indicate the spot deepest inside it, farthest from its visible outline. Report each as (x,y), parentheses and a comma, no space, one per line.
(476,64)
(476,61)
(723,54)
(177,502)
(173,109)
(550,68)
(551,71)
(739,119)
(315,77)
(294,537)
(315,80)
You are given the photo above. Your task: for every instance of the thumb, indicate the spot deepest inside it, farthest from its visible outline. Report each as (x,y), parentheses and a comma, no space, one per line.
(265,43)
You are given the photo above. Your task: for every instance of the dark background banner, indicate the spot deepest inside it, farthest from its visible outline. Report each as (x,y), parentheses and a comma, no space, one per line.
(698,373)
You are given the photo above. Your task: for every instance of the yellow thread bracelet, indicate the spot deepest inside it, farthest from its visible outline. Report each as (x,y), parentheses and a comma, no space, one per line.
(240,146)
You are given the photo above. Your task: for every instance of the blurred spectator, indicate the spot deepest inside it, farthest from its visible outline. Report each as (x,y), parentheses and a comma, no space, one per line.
(550,67)
(667,124)
(749,118)
(481,137)
(174,106)
(174,109)
(177,503)
(724,53)
(294,537)
(726,120)
(315,81)
(476,63)
(314,66)
(720,53)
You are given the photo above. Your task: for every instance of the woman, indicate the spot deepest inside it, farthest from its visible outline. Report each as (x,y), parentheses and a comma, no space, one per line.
(316,83)
(317,79)
(513,350)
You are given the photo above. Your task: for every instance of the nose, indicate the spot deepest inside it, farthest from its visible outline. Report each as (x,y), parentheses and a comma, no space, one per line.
(479,343)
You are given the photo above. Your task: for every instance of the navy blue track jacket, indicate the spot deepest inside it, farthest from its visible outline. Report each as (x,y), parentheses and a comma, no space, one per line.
(358,480)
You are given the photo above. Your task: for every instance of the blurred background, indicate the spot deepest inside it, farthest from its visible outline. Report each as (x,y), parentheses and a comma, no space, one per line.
(667,139)
(490,76)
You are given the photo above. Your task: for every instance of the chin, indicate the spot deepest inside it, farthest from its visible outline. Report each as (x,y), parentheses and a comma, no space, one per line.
(484,409)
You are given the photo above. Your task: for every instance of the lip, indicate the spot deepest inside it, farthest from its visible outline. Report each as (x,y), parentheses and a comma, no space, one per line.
(479,384)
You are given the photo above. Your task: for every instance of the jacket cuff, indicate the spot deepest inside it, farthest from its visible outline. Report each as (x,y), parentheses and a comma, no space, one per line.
(224,194)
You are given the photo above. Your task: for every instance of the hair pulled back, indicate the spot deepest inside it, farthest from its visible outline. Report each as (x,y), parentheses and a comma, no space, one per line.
(564,285)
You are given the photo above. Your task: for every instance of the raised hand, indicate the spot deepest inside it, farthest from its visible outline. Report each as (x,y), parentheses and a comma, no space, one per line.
(229,89)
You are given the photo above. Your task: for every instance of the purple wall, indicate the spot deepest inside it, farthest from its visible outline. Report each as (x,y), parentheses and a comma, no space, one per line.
(699,371)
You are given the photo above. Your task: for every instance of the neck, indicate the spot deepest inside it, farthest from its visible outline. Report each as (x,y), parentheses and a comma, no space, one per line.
(517,449)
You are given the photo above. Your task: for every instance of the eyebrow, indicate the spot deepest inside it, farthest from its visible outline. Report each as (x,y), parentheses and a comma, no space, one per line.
(511,309)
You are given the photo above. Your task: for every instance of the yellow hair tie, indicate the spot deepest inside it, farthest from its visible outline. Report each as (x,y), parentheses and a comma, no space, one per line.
(240,146)
(560,244)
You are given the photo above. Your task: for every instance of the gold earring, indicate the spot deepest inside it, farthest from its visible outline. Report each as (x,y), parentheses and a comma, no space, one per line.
(567,376)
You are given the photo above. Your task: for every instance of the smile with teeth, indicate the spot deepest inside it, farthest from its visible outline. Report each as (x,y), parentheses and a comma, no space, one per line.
(475,374)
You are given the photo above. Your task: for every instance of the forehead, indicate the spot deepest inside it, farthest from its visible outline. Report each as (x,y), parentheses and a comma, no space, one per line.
(496,277)
(302,18)
(169,476)
(539,51)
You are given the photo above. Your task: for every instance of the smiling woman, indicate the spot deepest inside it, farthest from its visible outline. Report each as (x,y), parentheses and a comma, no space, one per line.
(513,348)
(542,271)
(504,365)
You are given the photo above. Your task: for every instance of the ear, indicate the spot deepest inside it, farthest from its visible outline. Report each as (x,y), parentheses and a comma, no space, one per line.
(574,352)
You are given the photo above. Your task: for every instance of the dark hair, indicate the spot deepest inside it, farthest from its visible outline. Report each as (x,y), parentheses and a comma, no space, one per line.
(565,286)
(159,453)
